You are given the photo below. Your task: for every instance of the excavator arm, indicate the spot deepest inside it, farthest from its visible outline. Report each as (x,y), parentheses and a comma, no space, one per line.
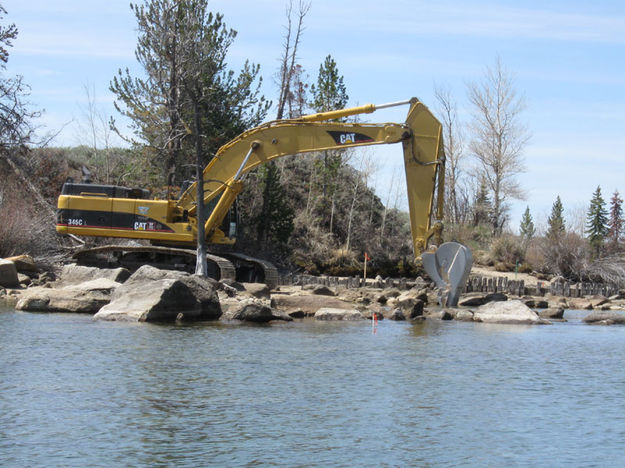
(420,137)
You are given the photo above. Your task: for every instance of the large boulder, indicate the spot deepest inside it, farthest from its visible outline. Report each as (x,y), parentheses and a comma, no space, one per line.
(396,314)
(151,294)
(535,302)
(411,303)
(87,297)
(514,312)
(306,302)
(74,274)
(259,290)
(603,317)
(8,274)
(24,264)
(552,313)
(477,299)
(254,311)
(331,314)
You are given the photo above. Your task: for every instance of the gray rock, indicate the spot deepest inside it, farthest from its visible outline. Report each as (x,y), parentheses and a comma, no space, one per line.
(24,264)
(87,297)
(75,274)
(410,304)
(551,313)
(296,313)
(253,311)
(513,312)
(535,302)
(444,314)
(478,299)
(397,315)
(601,317)
(151,294)
(24,279)
(258,290)
(8,274)
(338,314)
(323,291)
(463,315)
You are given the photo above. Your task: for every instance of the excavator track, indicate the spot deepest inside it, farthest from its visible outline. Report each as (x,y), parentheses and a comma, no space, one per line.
(253,270)
(133,257)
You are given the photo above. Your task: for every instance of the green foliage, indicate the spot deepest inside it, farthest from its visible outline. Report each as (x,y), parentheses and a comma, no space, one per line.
(527,228)
(555,222)
(275,219)
(597,222)
(615,223)
(182,49)
(482,207)
(329,93)
(508,250)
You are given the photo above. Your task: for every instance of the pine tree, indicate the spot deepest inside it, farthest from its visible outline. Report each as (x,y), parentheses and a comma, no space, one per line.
(527,228)
(597,222)
(182,46)
(615,224)
(556,221)
(482,208)
(275,220)
(329,94)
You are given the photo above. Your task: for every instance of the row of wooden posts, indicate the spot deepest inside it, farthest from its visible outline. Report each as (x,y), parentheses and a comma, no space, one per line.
(475,284)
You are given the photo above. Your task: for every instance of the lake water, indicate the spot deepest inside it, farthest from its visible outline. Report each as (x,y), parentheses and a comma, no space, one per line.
(75,392)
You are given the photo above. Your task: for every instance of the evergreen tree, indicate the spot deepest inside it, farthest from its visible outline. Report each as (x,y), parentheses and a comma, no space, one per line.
(182,46)
(597,222)
(482,208)
(615,224)
(329,94)
(527,228)
(556,221)
(275,220)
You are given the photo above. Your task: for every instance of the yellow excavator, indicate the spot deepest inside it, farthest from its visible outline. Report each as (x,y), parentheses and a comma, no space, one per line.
(171,225)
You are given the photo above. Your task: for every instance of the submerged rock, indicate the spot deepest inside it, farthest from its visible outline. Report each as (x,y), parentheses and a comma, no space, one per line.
(604,317)
(552,313)
(514,312)
(327,313)
(254,311)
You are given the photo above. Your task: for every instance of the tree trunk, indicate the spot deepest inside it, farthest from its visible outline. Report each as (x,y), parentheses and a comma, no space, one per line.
(201,266)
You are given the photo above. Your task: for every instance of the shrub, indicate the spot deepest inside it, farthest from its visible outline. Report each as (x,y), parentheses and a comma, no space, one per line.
(507,249)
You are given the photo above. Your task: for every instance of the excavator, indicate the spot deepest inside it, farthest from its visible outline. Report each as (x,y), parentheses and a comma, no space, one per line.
(171,226)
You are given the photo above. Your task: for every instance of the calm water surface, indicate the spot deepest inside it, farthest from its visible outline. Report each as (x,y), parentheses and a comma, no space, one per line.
(75,392)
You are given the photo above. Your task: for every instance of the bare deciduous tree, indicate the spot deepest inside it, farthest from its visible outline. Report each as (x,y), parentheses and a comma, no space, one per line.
(454,153)
(94,127)
(288,68)
(498,137)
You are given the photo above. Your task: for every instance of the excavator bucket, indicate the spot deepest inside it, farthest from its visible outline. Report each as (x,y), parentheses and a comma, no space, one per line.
(449,267)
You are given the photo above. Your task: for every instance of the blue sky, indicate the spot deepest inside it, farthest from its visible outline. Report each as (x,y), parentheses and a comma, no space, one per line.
(567,57)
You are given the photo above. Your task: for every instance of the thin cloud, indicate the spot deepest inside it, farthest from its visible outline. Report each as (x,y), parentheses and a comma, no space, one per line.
(476,20)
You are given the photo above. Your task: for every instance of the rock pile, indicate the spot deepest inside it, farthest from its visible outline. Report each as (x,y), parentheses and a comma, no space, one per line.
(151,294)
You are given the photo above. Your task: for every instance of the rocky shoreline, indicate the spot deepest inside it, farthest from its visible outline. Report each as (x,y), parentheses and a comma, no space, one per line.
(153,295)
